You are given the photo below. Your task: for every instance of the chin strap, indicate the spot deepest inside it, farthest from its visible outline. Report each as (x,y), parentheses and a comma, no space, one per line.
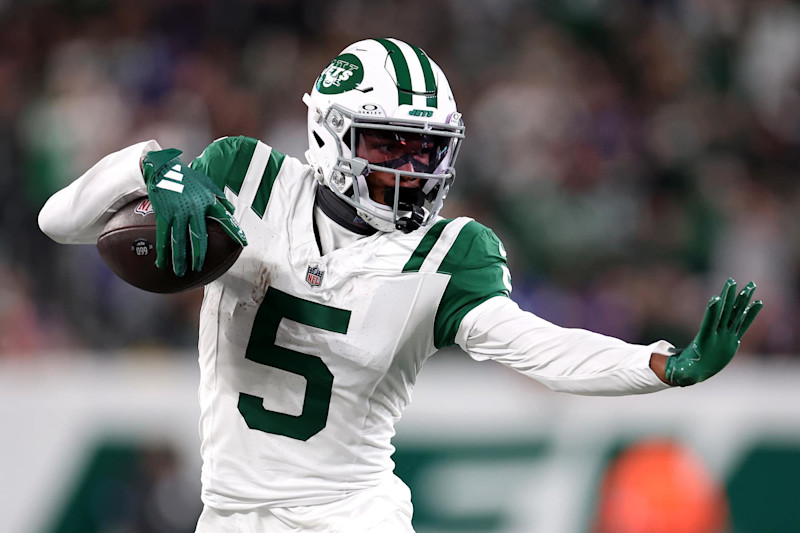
(410,200)
(411,222)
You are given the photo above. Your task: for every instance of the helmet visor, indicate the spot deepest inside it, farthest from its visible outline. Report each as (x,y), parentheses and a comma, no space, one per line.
(414,152)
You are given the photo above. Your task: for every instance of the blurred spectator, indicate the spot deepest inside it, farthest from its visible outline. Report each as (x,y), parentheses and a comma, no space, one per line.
(630,154)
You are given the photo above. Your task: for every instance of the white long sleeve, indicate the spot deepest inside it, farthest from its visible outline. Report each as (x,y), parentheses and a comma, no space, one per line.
(77,213)
(567,360)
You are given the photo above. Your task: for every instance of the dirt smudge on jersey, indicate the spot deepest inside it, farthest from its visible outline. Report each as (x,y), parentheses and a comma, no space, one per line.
(261,283)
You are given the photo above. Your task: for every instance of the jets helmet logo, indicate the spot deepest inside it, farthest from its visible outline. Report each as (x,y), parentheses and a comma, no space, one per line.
(314,275)
(341,75)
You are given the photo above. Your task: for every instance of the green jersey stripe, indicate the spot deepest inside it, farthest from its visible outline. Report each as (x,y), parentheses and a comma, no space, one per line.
(433,261)
(425,246)
(252,179)
(267,181)
(402,74)
(430,80)
(241,163)
(477,268)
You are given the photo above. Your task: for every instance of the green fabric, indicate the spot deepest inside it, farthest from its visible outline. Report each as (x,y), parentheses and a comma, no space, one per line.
(476,264)
(182,198)
(267,181)
(726,320)
(226,161)
(425,245)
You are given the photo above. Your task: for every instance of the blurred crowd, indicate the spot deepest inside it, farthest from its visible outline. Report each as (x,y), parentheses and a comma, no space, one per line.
(631,154)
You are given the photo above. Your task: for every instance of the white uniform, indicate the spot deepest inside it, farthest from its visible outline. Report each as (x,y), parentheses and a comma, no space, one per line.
(308,360)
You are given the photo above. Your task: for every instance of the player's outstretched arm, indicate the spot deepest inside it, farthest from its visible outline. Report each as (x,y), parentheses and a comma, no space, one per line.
(182,198)
(726,320)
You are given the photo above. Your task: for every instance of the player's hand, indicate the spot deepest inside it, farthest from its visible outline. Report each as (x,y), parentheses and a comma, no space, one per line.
(182,198)
(726,319)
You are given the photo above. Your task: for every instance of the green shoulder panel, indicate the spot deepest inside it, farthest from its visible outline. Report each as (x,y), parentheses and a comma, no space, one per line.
(226,161)
(476,263)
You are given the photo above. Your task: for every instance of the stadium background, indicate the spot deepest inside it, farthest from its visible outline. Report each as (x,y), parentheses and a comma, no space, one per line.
(631,154)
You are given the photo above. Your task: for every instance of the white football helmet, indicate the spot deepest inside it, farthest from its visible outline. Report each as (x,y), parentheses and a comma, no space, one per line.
(395,88)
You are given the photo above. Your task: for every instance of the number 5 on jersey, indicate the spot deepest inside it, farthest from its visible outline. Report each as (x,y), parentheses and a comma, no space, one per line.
(261,348)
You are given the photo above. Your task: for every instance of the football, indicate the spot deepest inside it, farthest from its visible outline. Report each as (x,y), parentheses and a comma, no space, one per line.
(128,247)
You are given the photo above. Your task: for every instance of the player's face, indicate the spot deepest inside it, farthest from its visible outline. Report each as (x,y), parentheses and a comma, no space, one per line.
(406,152)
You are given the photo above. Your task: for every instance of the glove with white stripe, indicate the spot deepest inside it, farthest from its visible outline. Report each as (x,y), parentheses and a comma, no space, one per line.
(182,198)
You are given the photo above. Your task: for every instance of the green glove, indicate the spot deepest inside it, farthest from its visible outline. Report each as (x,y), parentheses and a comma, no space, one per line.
(182,198)
(727,318)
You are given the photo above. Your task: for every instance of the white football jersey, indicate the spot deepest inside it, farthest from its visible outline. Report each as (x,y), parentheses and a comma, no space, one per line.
(308,360)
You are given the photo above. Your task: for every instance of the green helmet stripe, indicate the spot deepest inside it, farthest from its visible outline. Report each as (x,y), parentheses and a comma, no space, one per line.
(427,71)
(404,87)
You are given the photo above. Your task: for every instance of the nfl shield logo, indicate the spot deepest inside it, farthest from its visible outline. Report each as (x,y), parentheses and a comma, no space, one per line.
(314,275)
(144,207)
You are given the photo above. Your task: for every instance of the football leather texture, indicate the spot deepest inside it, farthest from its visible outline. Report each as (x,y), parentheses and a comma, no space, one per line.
(128,246)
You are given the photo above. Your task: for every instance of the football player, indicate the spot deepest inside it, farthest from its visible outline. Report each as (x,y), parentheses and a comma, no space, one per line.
(310,344)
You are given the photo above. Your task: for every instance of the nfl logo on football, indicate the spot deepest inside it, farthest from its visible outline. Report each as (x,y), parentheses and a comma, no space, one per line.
(314,275)
(143,208)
